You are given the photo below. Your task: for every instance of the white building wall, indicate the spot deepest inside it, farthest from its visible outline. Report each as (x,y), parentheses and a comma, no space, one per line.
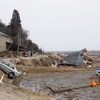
(2,43)
(3,40)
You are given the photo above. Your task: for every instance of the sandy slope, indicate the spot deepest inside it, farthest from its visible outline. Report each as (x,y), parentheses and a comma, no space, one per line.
(9,92)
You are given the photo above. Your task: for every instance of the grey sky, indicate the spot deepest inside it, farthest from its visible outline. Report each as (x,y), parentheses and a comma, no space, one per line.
(57,25)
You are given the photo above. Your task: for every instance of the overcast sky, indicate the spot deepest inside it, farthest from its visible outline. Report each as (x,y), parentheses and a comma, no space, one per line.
(57,25)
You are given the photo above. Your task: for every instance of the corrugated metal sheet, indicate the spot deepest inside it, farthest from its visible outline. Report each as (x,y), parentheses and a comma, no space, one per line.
(75,58)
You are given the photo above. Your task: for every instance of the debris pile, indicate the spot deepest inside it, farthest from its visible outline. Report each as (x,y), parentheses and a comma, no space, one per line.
(50,60)
(87,60)
(10,54)
(79,58)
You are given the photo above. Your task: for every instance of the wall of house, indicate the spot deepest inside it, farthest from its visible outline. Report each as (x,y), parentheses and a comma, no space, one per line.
(3,40)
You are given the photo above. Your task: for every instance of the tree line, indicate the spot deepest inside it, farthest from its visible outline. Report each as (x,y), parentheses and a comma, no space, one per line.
(19,35)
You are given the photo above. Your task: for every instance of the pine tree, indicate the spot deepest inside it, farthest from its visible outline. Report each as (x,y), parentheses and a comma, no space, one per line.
(15,23)
(15,26)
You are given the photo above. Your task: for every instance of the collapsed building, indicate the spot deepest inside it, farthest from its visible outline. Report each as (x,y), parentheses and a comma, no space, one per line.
(79,58)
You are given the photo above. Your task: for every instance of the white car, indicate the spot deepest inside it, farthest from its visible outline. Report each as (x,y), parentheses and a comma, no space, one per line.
(9,68)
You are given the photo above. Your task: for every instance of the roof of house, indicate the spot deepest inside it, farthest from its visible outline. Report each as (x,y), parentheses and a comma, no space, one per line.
(75,58)
(3,34)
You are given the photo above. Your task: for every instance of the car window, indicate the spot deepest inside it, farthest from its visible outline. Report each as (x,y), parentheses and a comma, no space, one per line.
(9,64)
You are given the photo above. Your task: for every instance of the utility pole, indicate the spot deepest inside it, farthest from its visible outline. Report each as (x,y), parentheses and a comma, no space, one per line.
(18,42)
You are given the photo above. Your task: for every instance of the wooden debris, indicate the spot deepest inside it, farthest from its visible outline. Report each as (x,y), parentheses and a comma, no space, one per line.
(65,90)
(1,78)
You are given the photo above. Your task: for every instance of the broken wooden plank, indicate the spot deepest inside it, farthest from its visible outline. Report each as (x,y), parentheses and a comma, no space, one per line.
(66,90)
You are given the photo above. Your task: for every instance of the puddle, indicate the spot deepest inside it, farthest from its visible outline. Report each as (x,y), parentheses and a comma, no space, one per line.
(63,80)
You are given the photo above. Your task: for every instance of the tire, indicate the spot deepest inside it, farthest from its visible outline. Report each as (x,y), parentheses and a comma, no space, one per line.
(11,75)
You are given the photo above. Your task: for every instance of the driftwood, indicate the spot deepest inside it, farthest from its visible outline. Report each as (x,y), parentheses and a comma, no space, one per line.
(64,90)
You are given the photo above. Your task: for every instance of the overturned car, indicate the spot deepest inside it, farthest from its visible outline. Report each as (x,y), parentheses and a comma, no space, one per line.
(10,69)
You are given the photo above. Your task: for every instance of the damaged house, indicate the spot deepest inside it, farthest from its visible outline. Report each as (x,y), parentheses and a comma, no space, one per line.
(4,41)
(79,58)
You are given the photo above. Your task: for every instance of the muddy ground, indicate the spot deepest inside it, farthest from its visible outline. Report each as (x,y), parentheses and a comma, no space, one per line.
(37,75)
(65,78)
(34,81)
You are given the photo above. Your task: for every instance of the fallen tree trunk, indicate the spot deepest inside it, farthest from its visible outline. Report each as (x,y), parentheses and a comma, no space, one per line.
(64,90)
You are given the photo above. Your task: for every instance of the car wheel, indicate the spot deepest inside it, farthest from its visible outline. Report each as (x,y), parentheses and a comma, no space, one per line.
(11,75)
